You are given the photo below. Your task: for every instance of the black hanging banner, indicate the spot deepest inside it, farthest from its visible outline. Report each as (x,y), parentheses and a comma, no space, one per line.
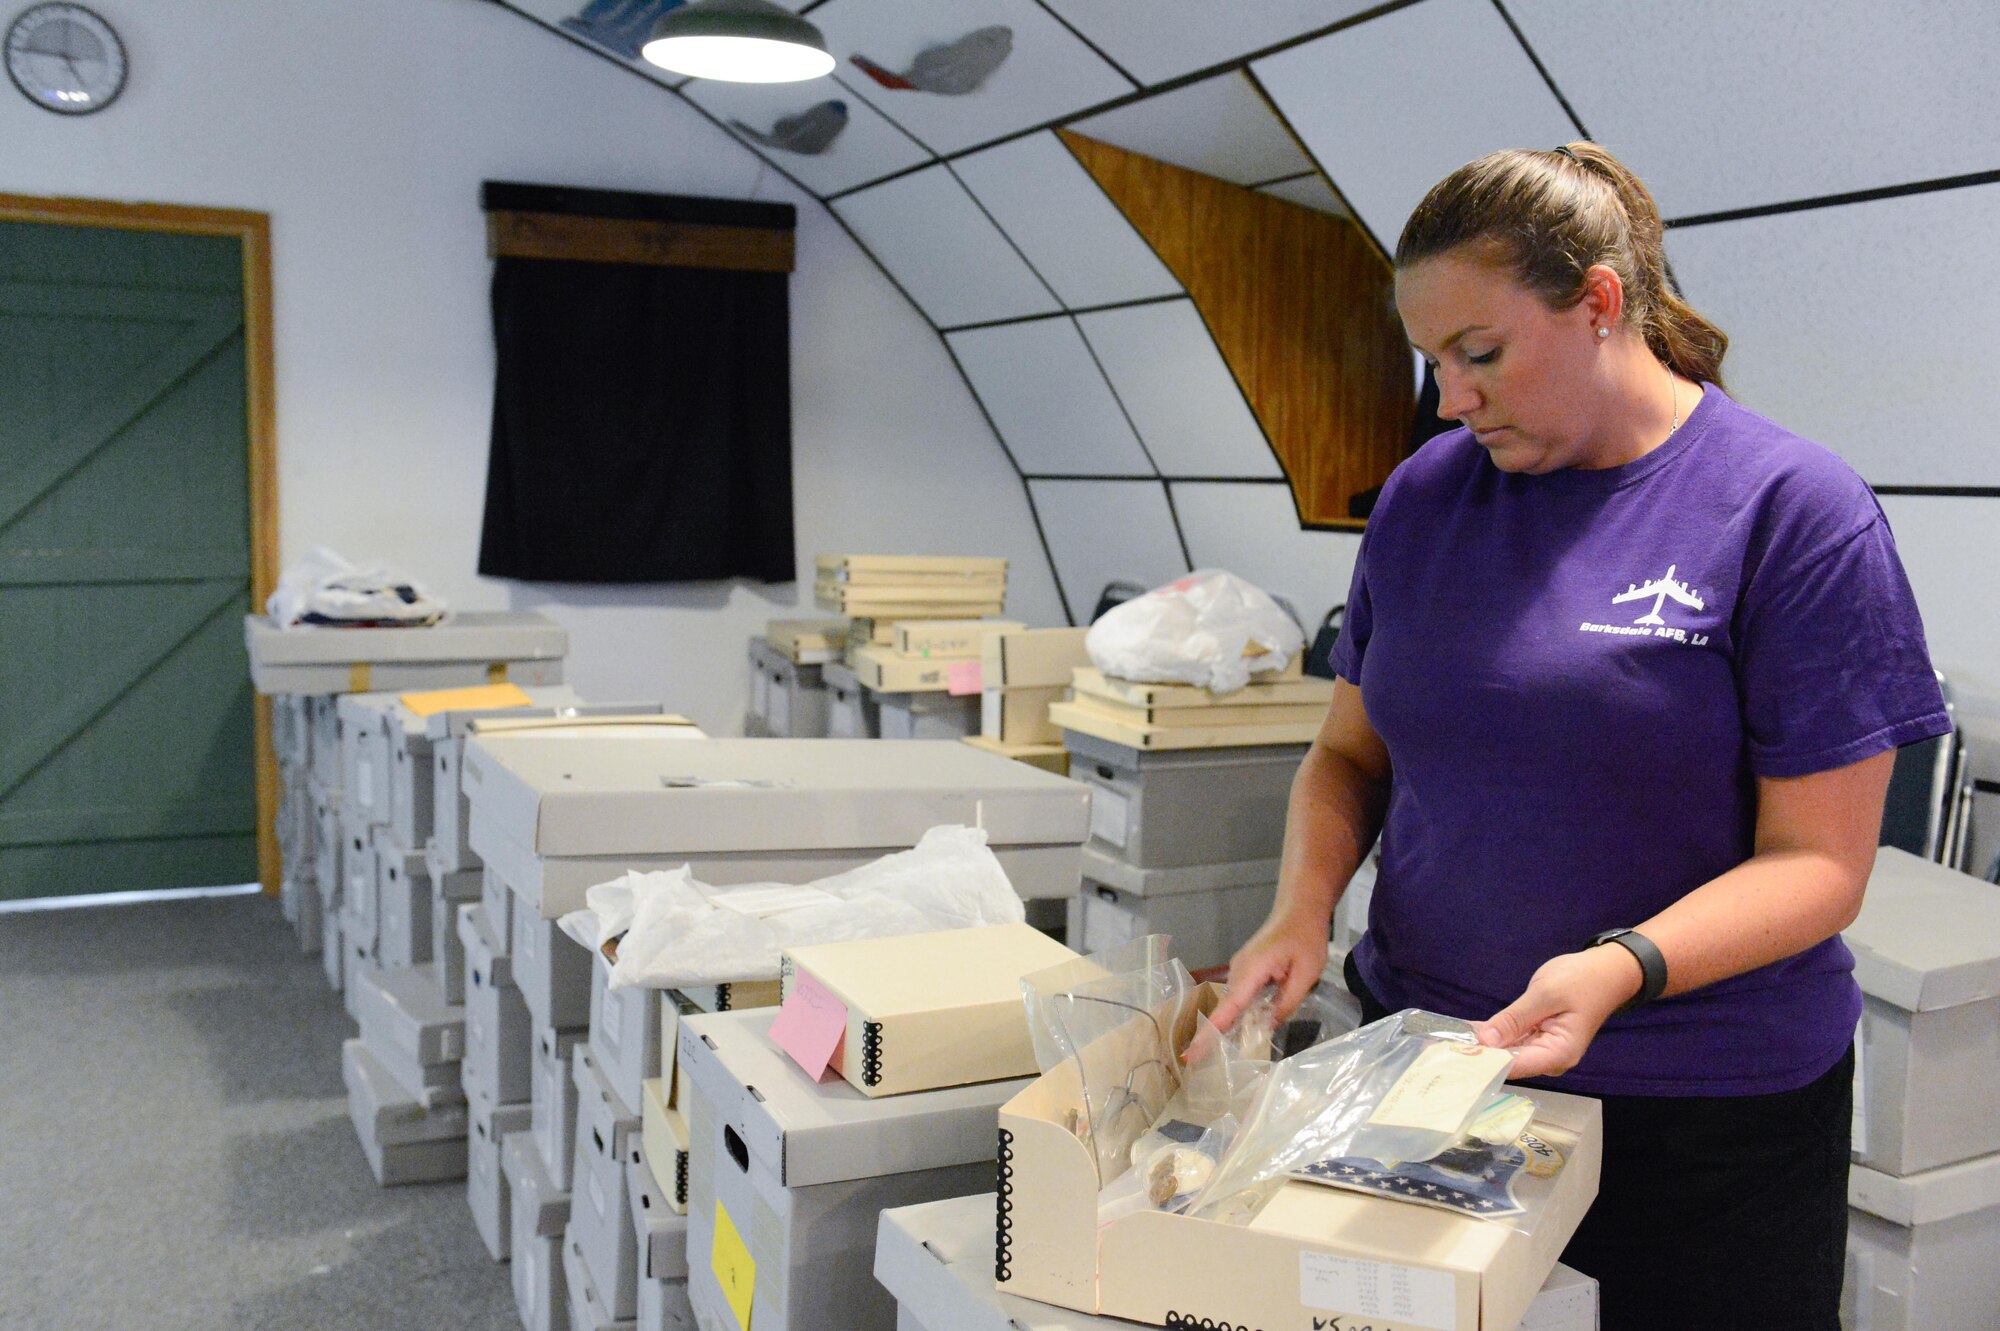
(641,406)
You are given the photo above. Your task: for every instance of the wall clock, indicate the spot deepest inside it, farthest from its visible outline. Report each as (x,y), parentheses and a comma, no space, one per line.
(65,59)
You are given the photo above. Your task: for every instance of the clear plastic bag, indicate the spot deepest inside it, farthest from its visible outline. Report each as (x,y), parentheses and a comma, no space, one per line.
(1404,1089)
(1211,629)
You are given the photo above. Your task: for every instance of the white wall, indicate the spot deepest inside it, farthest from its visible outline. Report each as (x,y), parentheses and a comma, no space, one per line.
(364,127)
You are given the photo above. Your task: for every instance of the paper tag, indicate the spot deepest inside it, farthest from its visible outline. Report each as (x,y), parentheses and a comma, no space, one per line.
(1402,1294)
(464,700)
(735,1269)
(810,1025)
(758,902)
(1440,1090)
(962,678)
(1108,813)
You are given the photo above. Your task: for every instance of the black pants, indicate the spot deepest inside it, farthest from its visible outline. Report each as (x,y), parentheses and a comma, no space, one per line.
(1716,1211)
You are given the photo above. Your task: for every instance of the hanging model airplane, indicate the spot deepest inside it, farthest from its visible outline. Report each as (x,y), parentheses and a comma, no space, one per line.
(1660,589)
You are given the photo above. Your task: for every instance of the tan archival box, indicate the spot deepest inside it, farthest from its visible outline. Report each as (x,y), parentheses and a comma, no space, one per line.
(1312,1255)
(925,1011)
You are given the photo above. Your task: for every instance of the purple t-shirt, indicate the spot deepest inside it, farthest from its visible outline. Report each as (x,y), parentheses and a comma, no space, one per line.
(1578,677)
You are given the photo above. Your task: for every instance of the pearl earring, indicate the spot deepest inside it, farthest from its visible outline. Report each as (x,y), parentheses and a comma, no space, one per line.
(1604,332)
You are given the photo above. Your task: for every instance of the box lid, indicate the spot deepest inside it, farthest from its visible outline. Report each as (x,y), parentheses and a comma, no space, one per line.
(953,968)
(706,796)
(466,635)
(1934,1194)
(802,1133)
(1112,871)
(543,699)
(1927,937)
(1110,751)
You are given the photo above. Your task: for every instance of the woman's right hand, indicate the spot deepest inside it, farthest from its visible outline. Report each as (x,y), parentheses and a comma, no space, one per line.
(1289,951)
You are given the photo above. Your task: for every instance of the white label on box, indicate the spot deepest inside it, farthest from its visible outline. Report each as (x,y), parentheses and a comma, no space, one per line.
(1108,814)
(779,710)
(1442,1088)
(1360,1288)
(1859,1132)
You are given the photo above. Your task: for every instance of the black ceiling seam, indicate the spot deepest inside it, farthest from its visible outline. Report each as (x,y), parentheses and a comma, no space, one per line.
(854,90)
(1019,253)
(1938,491)
(1117,398)
(1839,200)
(1135,302)
(1985,787)
(1310,173)
(1278,112)
(1536,60)
(1158,476)
(1174,516)
(1095,49)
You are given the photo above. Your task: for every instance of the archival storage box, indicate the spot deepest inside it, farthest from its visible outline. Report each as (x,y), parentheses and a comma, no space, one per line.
(599,1223)
(1309,1251)
(926,1011)
(403,935)
(412,1031)
(364,755)
(554,1103)
(1927,956)
(802,1169)
(1920,1250)
(535,1228)
(405,1141)
(417,720)
(552,971)
(851,712)
(499,1046)
(787,698)
(949,639)
(663,1133)
(1032,658)
(927,715)
(664,1306)
(1048,757)
(1209,910)
(808,641)
(486,1188)
(661,1229)
(730,997)
(559,815)
(1019,716)
(624,1032)
(881,669)
(326,840)
(469,647)
(1194,806)
(589,1310)
(447,950)
(323,719)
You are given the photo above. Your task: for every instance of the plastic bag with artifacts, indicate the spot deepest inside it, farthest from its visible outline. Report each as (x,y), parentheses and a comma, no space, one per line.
(1211,629)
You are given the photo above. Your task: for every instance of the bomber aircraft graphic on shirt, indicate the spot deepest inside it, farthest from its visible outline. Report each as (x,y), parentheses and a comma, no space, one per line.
(1659,589)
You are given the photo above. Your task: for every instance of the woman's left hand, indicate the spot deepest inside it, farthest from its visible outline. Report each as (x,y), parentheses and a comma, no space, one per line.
(1549,1027)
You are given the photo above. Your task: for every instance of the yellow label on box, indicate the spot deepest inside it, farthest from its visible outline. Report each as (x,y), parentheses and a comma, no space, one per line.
(481,697)
(1439,1091)
(735,1268)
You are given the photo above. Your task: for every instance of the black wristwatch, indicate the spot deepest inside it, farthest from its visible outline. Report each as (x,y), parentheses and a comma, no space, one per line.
(1652,963)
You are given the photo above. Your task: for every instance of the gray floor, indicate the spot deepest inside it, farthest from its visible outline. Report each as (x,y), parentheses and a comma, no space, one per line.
(174,1146)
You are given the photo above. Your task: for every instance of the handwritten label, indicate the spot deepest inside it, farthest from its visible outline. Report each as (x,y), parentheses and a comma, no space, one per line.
(1408,1295)
(1441,1089)
(735,1268)
(962,678)
(810,1025)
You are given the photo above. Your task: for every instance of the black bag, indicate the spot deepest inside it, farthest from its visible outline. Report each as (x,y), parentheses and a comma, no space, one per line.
(1318,656)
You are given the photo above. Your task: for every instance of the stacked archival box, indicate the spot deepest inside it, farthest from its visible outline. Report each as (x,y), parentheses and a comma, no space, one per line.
(788,698)
(878,593)
(1021,674)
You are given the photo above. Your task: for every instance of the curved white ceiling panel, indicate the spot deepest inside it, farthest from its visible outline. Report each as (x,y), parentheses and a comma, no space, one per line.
(619,27)
(1867,328)
(1070,231)
(1179,391)
(927,231)
(1308,192)
(1107,531)
(1163,39)
(959,73)
(820,133)
(1048,399)
(1391,106)
(1253,531)
(1719,104)
(1220,127)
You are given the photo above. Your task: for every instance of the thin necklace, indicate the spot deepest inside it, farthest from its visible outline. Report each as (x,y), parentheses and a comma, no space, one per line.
(1674,387)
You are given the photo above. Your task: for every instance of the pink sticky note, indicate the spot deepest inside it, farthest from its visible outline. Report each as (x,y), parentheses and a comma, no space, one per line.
(810,1025)
(963,677)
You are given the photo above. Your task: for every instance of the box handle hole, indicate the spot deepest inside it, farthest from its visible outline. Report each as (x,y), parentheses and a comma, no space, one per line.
(737,1150)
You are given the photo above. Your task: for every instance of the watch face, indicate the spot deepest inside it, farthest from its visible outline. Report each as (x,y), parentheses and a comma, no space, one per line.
(65,58)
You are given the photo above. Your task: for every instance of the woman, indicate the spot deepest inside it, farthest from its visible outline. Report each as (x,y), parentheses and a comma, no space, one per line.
(1638,660)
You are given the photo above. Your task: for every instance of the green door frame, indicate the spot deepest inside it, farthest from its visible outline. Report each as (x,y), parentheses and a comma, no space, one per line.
(253,231)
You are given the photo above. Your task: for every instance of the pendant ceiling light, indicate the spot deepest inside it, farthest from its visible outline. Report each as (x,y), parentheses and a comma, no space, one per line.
(738,41)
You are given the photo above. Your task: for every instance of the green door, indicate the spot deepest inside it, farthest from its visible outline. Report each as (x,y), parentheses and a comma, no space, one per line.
(126,732)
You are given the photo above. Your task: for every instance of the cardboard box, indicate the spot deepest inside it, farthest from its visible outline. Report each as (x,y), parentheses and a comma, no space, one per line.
(553,1100)
(729,998)
(882,670)
(788,700)
(323,759)
(1311,1251)
(1920,1249)
(937,1259)
(968,600)
(552,972)
(1207,928)
(624,1033)
(414,1034)
(851,710)
(599,1227)
(673,1006)
(408,732)
(660,1228)
(447,949)
(931,1010)
(1927,956)
(909,568)
(1052,758)
(1111,724)
(664,1306)
(538,1212)
(404,1140)
(357,868)
(470,647)
(1287,689)
(486,1188)
(497,1067)
(589,1308)
(326,840)
(950,639)
(364,754)
(359,942)
(663,1132)
(496,899)
(403,906)
(808,641)
(555,816)
(928,715)
(1020,716)
(803,1170)
(1173,810)
(1032,658)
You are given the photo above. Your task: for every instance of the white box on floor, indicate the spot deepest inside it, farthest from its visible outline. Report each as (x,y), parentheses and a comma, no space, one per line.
(416,1035)
(552,971)
(555,817)
(554,1101)
(486,1192)
(537,1213)
(405,1141)
(802,1170)
(1922,1250)
(1927,956)
(660,1230)
(937,1259)
(469,647)
(590,1309)
(499,1043)
(1163,810)
(402,904)
(599,1222)
(624,1032)
(927,715)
